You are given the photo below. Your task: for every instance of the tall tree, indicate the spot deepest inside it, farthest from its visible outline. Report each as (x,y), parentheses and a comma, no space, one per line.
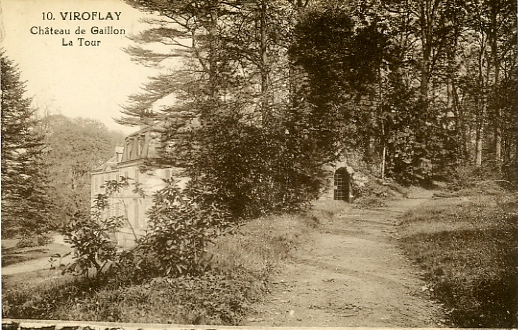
(413,82)
(25,204)
(488,59)
(341,50)
(235,87)
(497,20)
(74,148)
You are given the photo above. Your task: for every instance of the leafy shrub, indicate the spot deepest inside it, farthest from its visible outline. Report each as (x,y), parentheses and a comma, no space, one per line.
(278,167)
(34,240)
(93,246)
(91,236)
(179,229)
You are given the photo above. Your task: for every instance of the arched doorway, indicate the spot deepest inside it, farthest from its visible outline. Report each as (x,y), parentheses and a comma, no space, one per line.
(342,185)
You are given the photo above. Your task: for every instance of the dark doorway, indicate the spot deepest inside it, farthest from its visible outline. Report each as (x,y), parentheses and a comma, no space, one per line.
(342,183)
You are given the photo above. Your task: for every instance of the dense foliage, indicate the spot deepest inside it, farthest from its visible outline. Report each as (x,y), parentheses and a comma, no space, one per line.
(179,231)
(268,93)
(25,203)
(428,106)
(75,147)
(92,241)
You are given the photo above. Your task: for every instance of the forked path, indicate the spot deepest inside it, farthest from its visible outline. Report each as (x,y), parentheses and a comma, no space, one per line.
(351,273)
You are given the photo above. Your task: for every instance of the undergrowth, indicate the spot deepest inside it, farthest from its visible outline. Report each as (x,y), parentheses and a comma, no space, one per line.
(376,193)
(238,277)
(468,248)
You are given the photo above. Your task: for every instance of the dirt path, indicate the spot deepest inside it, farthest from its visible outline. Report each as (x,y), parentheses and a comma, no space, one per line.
(351,274)
(58,247)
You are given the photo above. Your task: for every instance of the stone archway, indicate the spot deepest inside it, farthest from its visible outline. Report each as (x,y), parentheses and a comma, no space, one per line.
(342,185)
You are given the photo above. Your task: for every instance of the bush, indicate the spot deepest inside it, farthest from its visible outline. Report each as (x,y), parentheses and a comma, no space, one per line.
(34,240)
(91,235)
(279,167)
(93,246)
(179,229)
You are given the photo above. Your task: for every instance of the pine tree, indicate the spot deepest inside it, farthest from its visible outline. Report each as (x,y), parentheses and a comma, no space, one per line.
(232,126)
(25,204)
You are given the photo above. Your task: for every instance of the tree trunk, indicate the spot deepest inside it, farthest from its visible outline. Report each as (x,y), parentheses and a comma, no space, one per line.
(383,157)
(425,52)
(264,64)
(479,137)
(212,30)
(496,98)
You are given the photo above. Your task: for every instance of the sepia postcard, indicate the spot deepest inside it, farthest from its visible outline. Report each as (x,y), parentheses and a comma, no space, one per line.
(206,164)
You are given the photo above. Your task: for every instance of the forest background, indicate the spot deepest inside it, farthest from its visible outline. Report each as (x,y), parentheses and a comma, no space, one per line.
(417,91)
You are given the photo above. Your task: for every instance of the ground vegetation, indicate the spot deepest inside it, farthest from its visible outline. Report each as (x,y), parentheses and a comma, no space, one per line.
(467,249)
(241,266)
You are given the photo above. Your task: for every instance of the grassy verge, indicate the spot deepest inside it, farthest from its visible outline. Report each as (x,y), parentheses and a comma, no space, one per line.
(241,266)
(468,249)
